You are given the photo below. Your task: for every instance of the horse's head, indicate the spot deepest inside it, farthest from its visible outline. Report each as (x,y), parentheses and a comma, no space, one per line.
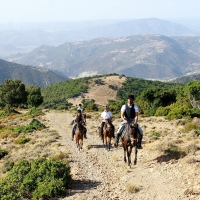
(133,131)
(80,126)
(108,124)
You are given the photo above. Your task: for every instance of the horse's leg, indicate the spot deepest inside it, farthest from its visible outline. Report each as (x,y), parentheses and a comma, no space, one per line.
(106,141)
(129,155)
(76,138)
(81,144)
(125,149)
(103,138)
(136,150)
(109,143)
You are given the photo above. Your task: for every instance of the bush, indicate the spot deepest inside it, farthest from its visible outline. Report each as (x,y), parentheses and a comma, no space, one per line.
(3,153)
(155,135)
(190,126)
(22,140)
(162,111)
(40,178)
(34,112)
(34,125)
(179,113)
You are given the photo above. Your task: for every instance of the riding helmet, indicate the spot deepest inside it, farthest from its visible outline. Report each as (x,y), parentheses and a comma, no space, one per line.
(130,96)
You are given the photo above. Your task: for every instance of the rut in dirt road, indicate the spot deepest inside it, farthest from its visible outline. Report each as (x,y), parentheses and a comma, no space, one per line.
(99,174)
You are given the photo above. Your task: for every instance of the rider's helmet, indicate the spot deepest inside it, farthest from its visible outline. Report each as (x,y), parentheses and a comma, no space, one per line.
(130,96)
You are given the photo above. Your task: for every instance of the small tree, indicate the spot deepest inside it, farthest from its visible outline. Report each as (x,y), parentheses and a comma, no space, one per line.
(192,89)
(12,92)
(34,97)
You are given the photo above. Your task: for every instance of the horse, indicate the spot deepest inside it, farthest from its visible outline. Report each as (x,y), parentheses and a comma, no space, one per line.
(108,133)
(130,139)
(79,132)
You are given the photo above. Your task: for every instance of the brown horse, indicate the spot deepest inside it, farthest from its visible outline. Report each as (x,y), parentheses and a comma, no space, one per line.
(79,132)
(108,133)
(129,140)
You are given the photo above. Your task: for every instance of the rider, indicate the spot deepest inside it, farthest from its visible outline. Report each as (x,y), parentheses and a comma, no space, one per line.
(106,114)
(80,107)
(78,119)
(129,113)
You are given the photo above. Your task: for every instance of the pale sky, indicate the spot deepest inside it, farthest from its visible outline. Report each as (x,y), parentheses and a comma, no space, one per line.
(17,11)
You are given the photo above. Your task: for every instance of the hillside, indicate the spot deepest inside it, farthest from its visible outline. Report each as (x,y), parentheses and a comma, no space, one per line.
(141,56)
(100,93)
(28,75)
(185,79)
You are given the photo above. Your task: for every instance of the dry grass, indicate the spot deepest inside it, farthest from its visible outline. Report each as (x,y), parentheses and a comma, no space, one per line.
(132,188)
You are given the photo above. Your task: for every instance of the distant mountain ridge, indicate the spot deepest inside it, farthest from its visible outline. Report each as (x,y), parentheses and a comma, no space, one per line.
(69,33)
(28,75)
(140,56)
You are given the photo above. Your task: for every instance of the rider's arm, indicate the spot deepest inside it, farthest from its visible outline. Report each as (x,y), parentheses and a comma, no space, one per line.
(136,118)
(123,117)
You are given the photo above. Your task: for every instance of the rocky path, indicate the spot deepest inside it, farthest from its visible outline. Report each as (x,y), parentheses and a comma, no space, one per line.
(99,174)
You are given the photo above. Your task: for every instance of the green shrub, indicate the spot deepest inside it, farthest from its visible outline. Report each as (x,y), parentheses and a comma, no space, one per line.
(190,126)
(198,132)
(3,153)
(179,113)
(40,178)
(7,111)
(162,111)
(22,140)
(175,153)
(33,125)
(155,135)
(34,112)
(98,82)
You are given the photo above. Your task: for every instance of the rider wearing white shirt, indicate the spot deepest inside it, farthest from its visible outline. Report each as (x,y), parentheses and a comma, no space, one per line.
(106,114)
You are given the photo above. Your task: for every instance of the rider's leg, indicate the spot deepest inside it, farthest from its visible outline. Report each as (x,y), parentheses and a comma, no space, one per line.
(141,136)
(113,131)
(85,131)
(118,134)
(73,131)
(102,125)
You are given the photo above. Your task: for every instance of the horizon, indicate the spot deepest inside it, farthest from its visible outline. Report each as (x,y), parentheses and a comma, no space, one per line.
(51,11)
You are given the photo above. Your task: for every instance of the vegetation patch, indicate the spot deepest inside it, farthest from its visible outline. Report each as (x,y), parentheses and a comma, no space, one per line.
(132,188)
(3,153)
(34,112)
(40,178)
(155,135)
(22,140)
(34,125)
(191,126)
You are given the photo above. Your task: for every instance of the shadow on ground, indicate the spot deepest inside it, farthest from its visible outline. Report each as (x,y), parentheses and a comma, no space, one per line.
(79,186)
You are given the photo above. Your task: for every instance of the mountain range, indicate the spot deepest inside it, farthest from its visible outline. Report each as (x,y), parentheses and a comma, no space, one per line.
(141,56)
(28,75)
(143,48)
(56,34)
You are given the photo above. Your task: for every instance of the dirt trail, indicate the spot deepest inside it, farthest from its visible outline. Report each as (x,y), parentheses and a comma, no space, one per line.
(99,174)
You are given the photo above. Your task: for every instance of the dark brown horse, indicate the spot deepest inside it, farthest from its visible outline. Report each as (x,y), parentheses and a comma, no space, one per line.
(108,133)
(79,132)
(129,140)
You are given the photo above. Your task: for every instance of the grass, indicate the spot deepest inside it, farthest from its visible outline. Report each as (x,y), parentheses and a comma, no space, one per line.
(22,140)
(154,135)
(132,188)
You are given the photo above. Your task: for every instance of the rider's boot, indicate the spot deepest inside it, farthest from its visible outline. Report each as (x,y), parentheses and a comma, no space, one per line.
(85,131)
(117,138)
(140,142)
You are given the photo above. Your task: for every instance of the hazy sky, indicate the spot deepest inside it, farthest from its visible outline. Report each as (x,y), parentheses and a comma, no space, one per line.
(12,11)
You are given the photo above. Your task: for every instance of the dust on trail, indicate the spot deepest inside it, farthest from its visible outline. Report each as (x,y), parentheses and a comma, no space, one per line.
(98,174)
